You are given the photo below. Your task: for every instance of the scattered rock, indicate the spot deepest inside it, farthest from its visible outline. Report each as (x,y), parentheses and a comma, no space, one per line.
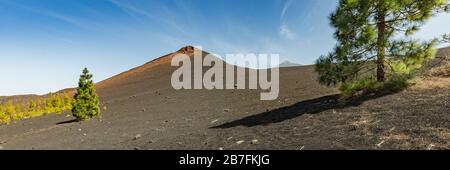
(220,148)
(3,142)
(143,110)
(226,110)
(430,147)
(137,137)
(254,141)
(79,129)
(1,148)
(151,141)
(214,121)
(84,134)
(303,147)
(240,142)
(379,144)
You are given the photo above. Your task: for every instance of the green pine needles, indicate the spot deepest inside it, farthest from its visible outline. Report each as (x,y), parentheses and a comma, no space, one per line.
(374,45)
(446,38)
(85,103)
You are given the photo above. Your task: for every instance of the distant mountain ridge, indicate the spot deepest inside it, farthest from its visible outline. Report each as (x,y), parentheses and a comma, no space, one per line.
(289,64)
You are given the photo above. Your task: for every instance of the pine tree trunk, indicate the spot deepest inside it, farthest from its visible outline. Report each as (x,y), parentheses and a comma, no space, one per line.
(381,42)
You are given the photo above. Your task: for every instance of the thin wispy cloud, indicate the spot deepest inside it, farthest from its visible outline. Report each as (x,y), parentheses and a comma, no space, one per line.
(135,12)
(286,32)
(130,9)
(285,8)
(64,18)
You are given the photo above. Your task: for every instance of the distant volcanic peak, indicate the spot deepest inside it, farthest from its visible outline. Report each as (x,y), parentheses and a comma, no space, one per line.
(288,64)
(161,61)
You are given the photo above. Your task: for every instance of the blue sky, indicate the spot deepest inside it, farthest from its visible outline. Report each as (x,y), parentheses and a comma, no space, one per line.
(44,44)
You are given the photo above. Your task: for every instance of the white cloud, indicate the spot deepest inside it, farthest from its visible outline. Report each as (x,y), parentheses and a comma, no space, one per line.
(64,18)
(166,18)
(286,32)
(285,8)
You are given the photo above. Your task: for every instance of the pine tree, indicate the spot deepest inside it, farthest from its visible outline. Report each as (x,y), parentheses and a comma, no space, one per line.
(9,108)
(32,105)
(4,118)
(374,41)
(446,38)
(85,103)
(67,102)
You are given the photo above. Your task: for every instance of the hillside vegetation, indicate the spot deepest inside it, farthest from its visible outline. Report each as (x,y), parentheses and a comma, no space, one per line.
(52,103)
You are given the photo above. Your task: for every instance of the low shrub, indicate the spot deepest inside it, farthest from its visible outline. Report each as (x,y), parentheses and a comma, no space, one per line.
(4,118)
(52,103)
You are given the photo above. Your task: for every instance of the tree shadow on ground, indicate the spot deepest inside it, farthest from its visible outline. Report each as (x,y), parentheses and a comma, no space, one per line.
(67,122)
(304,107)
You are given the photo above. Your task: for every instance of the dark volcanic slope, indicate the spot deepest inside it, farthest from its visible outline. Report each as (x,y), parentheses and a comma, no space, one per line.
(144,112)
